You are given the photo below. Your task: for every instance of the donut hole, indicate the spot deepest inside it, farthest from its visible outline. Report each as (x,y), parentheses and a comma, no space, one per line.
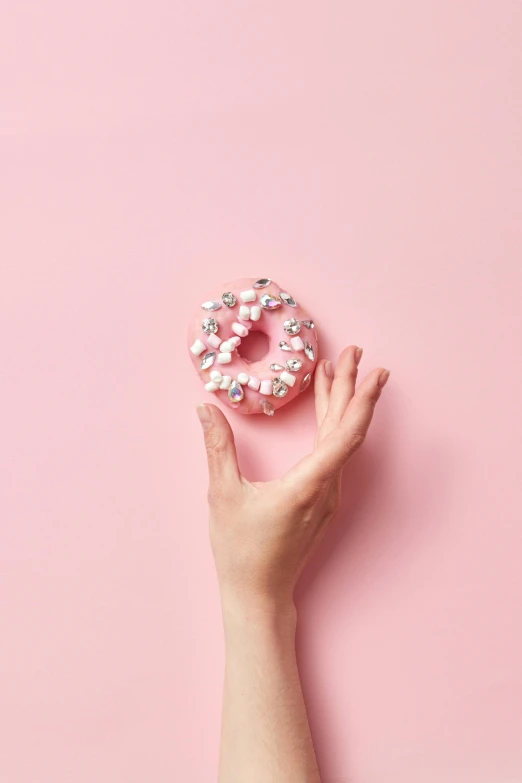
(254,346)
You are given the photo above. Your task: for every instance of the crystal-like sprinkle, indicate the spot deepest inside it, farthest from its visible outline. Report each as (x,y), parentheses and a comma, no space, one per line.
(208,360)
(279,387)
(266,407)
(306,382)
(211,305)
(292,326)
(270,302)
(229,299)
(210,326)
(284,346)
(294,365)
(277,367)
(263,283)
(309,350)
(308,324)
(235,392)
(287,299)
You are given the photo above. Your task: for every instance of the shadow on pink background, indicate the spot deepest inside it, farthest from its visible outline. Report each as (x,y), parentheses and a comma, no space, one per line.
(368,157)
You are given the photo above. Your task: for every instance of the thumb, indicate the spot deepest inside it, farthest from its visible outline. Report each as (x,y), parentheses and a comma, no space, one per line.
(221,450)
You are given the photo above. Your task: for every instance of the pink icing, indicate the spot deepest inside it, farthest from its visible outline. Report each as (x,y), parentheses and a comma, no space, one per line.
(271,323)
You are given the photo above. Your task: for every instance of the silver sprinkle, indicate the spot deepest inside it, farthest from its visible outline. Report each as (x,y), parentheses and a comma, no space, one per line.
(208,360)
(309,350)
(284,346)
(235,392)
(287,299)
(210,326)
(229,299)
(267,407)
(294,365)
(308,324)
(263,283)
(277,367)
(270,302)
(211,305)
(292,326)
(306,382)
(279,387)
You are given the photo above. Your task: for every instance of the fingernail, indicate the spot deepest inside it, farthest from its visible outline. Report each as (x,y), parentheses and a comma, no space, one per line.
(205,416)
(384,377)
(328,368)
(358,354)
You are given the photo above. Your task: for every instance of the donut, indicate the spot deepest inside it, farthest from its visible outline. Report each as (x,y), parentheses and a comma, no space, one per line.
(226,318)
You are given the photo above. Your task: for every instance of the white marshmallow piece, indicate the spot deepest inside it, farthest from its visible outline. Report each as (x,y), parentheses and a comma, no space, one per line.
(266,387)
(255,313)
(235,341)
(216,376)
(244,312)
(226,346)
(242,321)
(198,347)
(297,344)
(214,340)
(242,378)
(225,383)
(241,330)
(287,378)
(254,383)
(211,387)
(224,358)
(248,296)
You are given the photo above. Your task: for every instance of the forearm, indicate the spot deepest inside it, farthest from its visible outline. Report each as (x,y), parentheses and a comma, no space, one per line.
(265,733)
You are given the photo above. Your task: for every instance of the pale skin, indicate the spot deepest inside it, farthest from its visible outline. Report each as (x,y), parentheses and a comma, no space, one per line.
(262,536)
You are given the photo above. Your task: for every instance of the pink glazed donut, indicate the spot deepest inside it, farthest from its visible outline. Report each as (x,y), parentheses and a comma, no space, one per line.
(231,312)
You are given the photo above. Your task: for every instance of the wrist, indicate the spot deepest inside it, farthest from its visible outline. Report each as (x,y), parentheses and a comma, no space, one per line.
(258,613)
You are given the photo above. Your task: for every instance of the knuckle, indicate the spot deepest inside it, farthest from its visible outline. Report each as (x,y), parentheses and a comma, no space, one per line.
(214,444)
(371,396)
(352,372)
(311,496)
(332,507)
(367,401)
(356,440)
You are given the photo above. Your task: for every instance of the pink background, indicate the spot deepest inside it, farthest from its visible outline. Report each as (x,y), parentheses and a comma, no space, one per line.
(368,156)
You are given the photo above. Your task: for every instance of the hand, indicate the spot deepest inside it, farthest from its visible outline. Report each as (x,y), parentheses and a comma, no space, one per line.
(262,534)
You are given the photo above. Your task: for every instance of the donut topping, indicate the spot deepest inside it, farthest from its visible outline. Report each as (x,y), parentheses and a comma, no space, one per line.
(292,326)
(248,296)
(279,387)
(270,302)
(235,392)
(309,350)
(297,343)
(208,360)
(287,299)
(306,382)
(266,407)
(229,299)
(210,326)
